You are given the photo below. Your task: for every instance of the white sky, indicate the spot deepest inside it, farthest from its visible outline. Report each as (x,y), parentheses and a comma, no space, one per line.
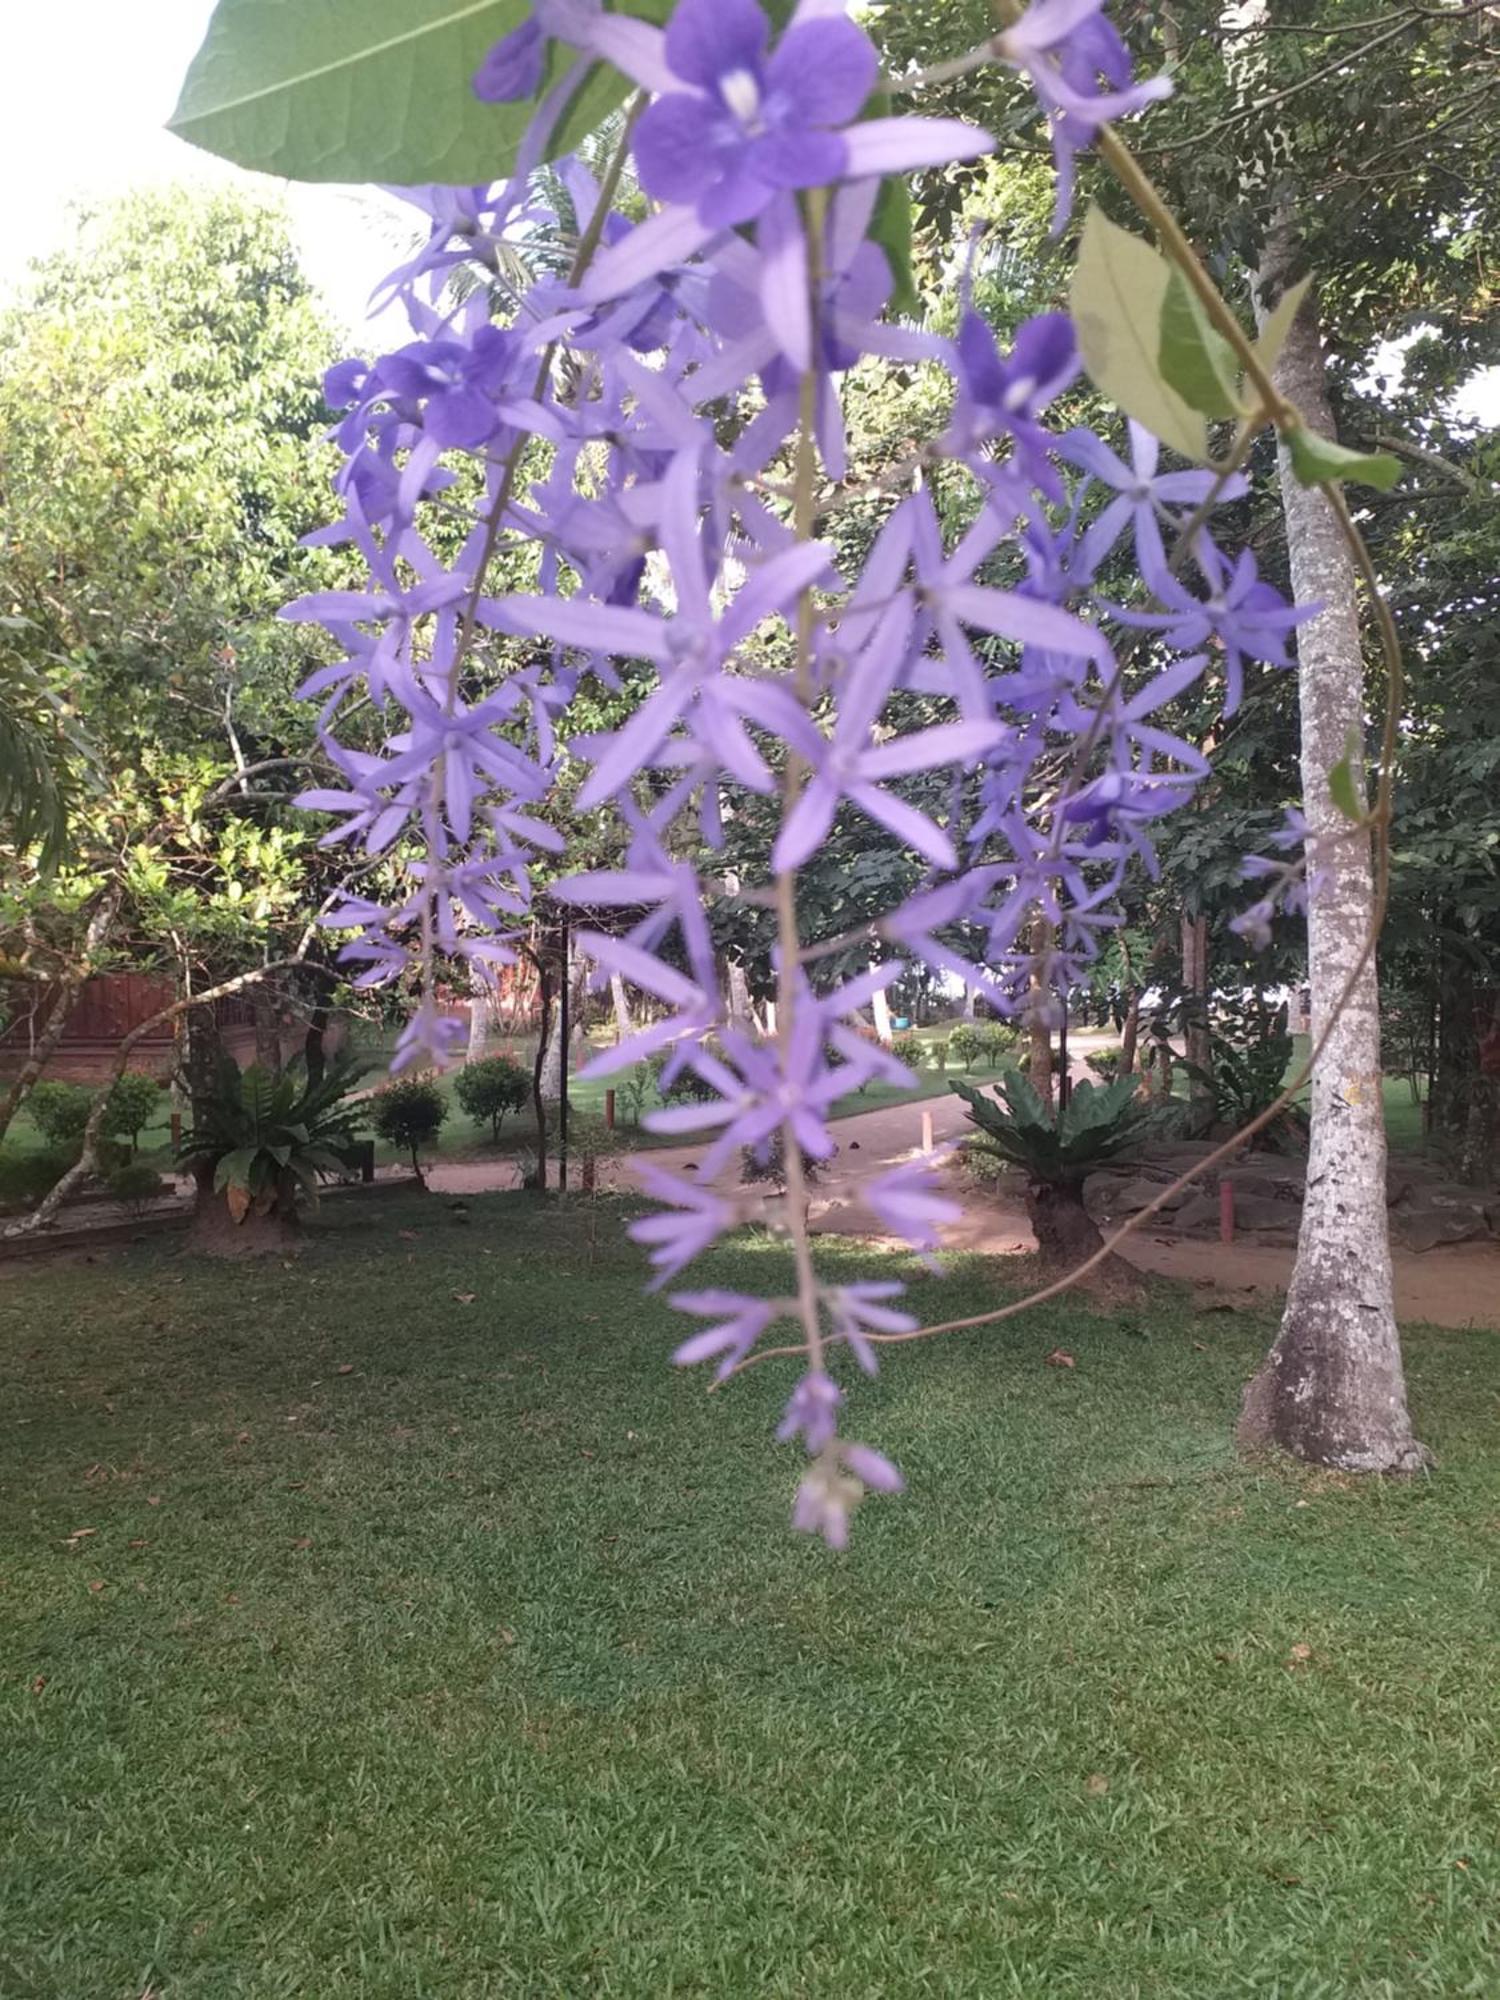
(89,87)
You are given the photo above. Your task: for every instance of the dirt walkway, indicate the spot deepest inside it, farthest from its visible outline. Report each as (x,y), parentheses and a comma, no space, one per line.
(1457,1286)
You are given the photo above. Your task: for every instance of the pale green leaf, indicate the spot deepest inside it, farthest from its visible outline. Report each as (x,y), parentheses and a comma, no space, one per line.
(1194,359)
(1119,290)
(1279,324)
(1318,459)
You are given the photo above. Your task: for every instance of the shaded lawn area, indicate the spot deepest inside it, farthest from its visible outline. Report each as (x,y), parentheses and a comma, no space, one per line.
(426,1647)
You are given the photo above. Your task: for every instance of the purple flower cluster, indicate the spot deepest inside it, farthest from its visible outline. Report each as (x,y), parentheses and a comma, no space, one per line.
(627,435)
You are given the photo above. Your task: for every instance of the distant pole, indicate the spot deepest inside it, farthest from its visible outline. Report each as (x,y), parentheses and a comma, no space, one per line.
(563,1028)
(1226,1211)
(609,1111)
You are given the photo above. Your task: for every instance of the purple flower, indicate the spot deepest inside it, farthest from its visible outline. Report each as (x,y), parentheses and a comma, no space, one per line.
(746,124)
(1143,497)
(850,765)
(739,1321)
(676,1239)
(830,1491)
(736,123)
(1004,396)
(859,1310)
(1066,47)
(906,1202)
(812,1412)
(1244,616)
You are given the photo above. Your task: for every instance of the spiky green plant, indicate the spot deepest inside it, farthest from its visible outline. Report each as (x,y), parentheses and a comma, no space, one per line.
(269,1134)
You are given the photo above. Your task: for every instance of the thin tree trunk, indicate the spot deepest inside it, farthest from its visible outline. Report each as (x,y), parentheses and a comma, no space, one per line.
(1130,1034)
(624,1025)
(1196,1045)
(483,1005)
(1332,1388)
(64,999)
(267,1010)
(1039,1060)
(880,1007)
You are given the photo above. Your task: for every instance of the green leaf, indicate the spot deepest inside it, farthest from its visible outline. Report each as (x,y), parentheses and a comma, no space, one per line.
(1316,460)
(234,1169)
(1118,294)
(1194,359)
(1346,780)
(890,227)
(368,90)
(1279,324)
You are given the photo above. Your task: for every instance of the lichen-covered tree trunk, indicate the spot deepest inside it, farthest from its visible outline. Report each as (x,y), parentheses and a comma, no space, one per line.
(1332,1388)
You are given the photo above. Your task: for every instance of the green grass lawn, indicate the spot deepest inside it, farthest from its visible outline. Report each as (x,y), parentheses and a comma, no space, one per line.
(435,1639)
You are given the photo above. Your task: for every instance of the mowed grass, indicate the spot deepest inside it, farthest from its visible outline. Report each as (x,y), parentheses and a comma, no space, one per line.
(434,1638)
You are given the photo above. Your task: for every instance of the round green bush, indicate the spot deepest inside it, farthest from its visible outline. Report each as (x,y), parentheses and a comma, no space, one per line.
(409,1114)
(26,1177)
(487,1090)
(135,1186)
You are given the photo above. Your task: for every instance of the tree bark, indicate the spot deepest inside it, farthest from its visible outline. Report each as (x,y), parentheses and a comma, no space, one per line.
(483,1012)
(1196,1044)
(1130,1033)
(1332,1388)
(1039,1058)
(267,1009)
(100,923)
(624,1025)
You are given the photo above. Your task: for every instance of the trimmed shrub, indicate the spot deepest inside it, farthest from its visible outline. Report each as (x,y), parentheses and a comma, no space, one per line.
(60,1111)
(133,1103)
(940,1056)
(26,1177)
(967,1043)
(1105,1063)
(488,1089)
(907,1046)
(135,1186)
(409,1114)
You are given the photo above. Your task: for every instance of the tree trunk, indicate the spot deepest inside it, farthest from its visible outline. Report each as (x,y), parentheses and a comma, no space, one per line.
(483,1012)
(64,999)
(1066,1233)
(1039,1057)
(1196,1045)
(1130,1034)
(1332,1388)
(314,1051)
(624,1025)
(880,1006)
(267,1008)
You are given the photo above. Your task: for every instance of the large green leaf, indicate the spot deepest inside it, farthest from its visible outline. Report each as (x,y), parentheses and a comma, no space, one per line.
(1119,293)
(368,90)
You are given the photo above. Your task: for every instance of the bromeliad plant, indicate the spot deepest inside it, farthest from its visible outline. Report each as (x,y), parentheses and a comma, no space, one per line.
(265,1137)
(654,435)
(1058,1152)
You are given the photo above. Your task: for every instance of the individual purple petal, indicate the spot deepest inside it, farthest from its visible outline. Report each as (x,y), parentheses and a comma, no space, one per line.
(901,145)
(514,66)
(709,39)
(871,1468)
(825,69)
(662,240)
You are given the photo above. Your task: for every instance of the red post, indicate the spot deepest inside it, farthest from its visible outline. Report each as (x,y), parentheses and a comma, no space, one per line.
(176,1131)
(609,1111)
(1226,1211)
(588,1169)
